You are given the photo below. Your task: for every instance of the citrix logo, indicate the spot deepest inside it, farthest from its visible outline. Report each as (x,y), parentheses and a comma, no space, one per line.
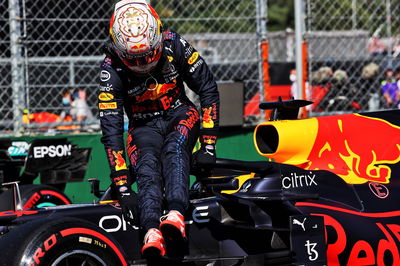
(295,181)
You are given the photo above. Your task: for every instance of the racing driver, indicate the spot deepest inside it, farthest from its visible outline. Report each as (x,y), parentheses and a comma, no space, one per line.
(143,73)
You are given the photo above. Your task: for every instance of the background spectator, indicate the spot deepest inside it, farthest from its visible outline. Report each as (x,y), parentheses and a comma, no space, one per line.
(390,90)
(80,109)
(375,47)
(66,106)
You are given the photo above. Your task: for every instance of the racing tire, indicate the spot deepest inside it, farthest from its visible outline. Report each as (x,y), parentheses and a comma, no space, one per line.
(60,242)
(34,196)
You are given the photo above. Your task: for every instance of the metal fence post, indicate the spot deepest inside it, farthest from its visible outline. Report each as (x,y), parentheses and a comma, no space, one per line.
(261,10)
(299,39)
(17,71)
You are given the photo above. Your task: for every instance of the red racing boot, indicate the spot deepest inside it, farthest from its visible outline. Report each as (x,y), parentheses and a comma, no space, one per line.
(172,226)
(154,245)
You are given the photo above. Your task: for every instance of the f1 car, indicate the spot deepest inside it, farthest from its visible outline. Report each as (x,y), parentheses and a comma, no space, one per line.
(56,160)
(330,197)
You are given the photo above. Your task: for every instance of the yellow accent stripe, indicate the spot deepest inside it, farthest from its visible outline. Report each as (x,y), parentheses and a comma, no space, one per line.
(242,179)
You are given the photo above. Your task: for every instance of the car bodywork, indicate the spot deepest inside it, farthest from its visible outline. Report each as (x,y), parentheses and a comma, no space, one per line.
(56,160)
(330,197)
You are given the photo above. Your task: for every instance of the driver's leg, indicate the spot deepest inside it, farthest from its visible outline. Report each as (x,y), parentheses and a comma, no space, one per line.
(176,156)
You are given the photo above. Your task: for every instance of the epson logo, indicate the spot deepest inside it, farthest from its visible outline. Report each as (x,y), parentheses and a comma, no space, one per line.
(52,151)
(295,181)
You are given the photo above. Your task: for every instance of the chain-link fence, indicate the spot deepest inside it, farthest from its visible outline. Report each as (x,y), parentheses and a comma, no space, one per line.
(351,45)
(49,48)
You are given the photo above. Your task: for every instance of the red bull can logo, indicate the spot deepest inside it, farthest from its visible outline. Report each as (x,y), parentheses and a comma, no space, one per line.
(119,161)
(357,148)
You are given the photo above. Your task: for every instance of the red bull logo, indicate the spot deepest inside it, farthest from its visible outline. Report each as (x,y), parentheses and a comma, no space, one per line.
(155,91)
(209,139)
(356,147)
(136,48)
(207,118)
(119,161)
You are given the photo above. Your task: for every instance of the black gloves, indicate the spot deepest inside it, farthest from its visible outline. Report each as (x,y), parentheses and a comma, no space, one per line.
(126,197)
(206,154)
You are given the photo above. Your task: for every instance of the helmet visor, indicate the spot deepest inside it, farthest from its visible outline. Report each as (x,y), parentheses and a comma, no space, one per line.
(140,60)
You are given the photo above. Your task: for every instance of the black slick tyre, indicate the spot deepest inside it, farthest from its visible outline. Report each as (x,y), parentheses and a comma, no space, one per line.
(34,196)
(66,241)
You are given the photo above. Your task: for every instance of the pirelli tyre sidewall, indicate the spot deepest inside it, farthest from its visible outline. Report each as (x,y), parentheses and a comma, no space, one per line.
(46,242)
(34,196)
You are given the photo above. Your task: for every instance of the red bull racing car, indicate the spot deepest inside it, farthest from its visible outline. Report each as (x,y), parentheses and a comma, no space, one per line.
(330,197)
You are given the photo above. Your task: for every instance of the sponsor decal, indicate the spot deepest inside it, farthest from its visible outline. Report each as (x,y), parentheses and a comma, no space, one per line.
(193,58)
(188,52)
(146,115)
(120,180)
(104,106)
(357,159)
(170,58)
(298,181)
(193,117)
(119,161)
(211,140)
(85,240)
(105,75)
(110,156)
(46,246)
(207,118)
(200,214)
(311,250)
(104,96)
(137,90)
(169,49)
(183,41)
(32,201)
(18,213)
(108,113)
(362,252)
(108,87)
(123,188)
(379,190)
(113,223)
(171,77)
(297,222)
(18,148)
(195,66)
(210,150)
(155,91)
(52,151)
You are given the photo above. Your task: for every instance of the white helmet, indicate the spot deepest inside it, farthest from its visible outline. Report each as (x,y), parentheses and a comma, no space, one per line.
(136,32)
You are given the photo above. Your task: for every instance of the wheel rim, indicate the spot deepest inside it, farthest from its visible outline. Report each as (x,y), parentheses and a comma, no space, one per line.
(79,257)
(46,204)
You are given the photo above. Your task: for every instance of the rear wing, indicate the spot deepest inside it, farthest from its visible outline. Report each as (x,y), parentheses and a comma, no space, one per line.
(282,110)
(56,160)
